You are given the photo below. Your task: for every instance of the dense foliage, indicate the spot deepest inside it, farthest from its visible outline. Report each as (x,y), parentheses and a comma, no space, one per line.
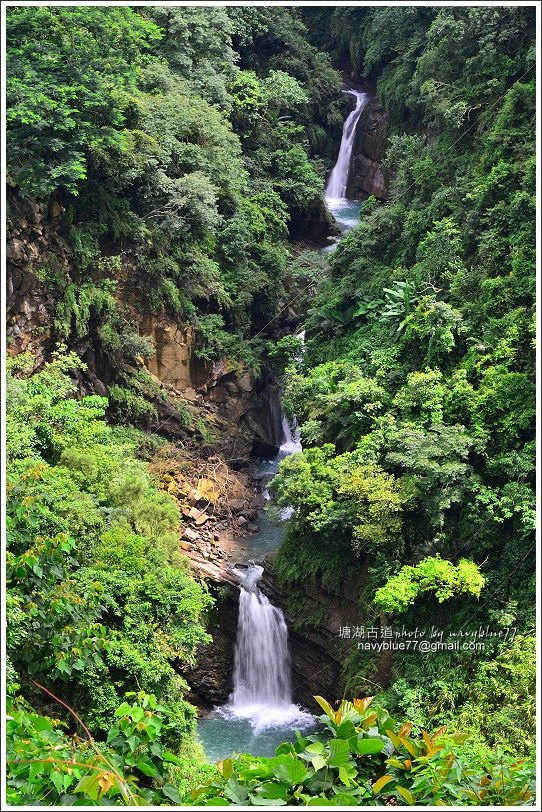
(177,153)
(364,757)
(179,160)
(416,396)
(100,601)
(132,768)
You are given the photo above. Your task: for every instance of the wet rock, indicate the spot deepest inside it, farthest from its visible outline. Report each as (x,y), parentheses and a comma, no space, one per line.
(367,176)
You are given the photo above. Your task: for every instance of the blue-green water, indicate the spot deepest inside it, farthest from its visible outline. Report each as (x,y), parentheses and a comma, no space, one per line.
(345,212)
(223,734)
(347,215)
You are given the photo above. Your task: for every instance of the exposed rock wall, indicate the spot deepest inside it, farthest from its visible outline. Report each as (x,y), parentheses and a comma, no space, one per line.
(211,679)
(367,176)
(36,252)
(317,650)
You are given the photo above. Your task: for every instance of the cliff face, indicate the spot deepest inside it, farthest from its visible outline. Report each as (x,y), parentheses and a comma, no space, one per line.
(211,680)
(367,176)
(315,615)
(36,253)
(244,411)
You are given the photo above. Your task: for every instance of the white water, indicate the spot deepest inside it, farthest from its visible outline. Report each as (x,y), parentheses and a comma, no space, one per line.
(291,442)
(338,180)
(262,690)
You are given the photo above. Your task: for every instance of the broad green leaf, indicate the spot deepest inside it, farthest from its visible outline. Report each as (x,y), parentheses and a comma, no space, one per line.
(260,800)
(171,792)
(318,762)
(225,767)
(366,745)
(123,710)
(147,767)
(326,707)
(293,772)
(339,752)
(89,786)
(407,795)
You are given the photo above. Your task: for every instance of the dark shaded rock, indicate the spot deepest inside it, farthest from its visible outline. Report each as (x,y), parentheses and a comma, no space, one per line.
(313,224)
(317,651)
(367,176)
(211,679)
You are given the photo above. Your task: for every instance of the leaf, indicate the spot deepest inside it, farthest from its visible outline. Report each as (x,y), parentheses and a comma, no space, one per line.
(345,776)
(89,785)
(171,758)
(147,767)
(346,729)
(326,707)
(293,772)
(273,790)
(132,742)
(138,714)
(339,752)
(394,762)
(427,739)
(366,745)
(407,795)
(225,767)
(123,710)
(409,746)
(172,793)
(318,762)
(284,749)
(361,705)
(394,738)
(58,780)
(381,783)
(106,781)
(316,747)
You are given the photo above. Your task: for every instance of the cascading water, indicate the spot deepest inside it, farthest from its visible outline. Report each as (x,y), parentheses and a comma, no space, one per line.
(338,180)
(262,690)
(345,211)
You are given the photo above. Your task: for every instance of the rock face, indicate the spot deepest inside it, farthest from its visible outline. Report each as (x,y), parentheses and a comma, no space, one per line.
(211,680)
(317,650)
(173,362)
(36,254)
(367,177)
(252,407)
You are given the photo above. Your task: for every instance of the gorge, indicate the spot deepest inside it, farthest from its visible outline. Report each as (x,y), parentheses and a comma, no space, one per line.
(261,680)
(270,394)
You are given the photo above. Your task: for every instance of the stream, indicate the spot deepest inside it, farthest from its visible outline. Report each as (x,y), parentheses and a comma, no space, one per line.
(260,712)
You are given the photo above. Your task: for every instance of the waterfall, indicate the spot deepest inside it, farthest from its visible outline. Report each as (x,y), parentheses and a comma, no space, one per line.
(338,180)
(262,690)
(291,442)
(262,662)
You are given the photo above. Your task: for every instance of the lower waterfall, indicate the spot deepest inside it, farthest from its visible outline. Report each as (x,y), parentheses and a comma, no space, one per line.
(262,690)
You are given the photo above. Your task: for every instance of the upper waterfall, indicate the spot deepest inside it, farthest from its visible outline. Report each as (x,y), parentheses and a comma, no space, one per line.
(338,180)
